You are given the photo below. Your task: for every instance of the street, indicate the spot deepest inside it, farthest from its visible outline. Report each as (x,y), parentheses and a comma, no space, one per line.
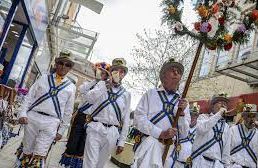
(7,157)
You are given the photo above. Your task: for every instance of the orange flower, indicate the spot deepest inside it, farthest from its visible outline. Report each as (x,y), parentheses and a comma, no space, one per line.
(171,10)
(228,38)
(203,11)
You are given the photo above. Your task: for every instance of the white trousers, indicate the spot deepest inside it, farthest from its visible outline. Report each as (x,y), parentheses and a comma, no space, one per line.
(39,133)
(148,154)
(100,143)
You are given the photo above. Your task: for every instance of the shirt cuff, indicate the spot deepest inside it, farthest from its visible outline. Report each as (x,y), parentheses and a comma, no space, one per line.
(156,132)
(121,143)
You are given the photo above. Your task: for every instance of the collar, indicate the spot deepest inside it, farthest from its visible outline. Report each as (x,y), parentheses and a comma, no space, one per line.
(246,130)
(63,79)
(168,93)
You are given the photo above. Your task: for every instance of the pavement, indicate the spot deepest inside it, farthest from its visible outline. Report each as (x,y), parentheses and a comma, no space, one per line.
(7,157)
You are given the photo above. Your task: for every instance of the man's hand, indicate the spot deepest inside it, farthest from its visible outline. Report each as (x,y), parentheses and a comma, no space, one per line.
(58,137)
(182,104)
(23,120)
(170,133)
(222,111)
(119,150)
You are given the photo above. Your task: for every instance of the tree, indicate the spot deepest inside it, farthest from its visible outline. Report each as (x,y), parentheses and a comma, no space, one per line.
(152,50)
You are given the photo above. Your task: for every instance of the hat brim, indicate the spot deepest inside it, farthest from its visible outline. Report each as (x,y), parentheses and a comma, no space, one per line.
(216,99)
(119,66)
(177,65)
(64,59)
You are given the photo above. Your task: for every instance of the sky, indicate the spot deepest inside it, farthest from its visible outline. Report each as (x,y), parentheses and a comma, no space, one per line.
(117,26)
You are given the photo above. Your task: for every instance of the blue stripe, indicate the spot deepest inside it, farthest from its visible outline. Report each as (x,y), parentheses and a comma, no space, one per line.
(205,147)
(216,138)
(118,111)
(245,146)
(52,93)
(39,100)
(108,101)
(56,103)
(99,108)
(84,107)
(165,112)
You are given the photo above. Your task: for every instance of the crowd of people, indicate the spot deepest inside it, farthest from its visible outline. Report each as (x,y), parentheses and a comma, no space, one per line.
(100,124)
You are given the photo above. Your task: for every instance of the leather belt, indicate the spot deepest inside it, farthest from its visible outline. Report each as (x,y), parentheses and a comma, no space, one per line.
(43,113)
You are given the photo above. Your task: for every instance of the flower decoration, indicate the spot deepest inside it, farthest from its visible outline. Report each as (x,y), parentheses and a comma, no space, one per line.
(205,27)
(216,20)
(103,66)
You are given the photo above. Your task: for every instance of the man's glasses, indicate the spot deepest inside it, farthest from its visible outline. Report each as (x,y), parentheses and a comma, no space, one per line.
(69,65)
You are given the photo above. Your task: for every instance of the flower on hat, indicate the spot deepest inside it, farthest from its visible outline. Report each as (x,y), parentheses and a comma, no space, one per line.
(223,94)
(102,65)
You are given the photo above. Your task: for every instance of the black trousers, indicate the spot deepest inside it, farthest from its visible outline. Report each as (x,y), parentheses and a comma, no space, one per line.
(76,140)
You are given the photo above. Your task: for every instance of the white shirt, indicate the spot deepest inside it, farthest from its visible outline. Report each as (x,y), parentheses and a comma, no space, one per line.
(98,95)
(204,133)
(83,89)
(242,157)
(150,105)
(66,100)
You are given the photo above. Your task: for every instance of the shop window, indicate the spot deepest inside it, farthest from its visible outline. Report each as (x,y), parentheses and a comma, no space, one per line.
(22,58)
(5,6)
(206,64)
(246,49)
(43,57)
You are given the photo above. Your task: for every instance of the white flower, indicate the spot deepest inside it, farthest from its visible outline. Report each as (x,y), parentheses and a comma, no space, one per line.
(178,26)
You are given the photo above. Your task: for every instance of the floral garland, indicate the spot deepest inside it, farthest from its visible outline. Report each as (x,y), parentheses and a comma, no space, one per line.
(216,19)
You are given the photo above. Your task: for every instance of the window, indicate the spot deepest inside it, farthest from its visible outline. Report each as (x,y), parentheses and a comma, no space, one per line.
(206,63)
(5,6)
(246,49)
(21,59)
(223,58)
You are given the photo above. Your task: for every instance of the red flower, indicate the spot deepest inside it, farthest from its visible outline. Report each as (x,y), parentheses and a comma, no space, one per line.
(197,26)
(228,46)
(254,14)
(221,20)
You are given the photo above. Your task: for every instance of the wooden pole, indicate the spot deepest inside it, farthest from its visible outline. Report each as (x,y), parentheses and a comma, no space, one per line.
(187,84)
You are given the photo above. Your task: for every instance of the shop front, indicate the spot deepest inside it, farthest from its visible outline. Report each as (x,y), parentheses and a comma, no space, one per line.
(22,29)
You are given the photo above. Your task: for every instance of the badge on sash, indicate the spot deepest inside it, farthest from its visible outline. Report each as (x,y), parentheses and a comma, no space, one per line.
(178,147)
(88,119)
(137,138)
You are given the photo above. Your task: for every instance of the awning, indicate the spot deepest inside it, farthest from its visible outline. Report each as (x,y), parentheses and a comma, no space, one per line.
(91,4)
(75,39)
(244,69)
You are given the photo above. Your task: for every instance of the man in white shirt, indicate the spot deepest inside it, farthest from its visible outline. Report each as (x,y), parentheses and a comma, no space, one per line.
(211,147)
(244,140)
(183,148)
(154,117)
(108,119)
(46,112)
(73,155)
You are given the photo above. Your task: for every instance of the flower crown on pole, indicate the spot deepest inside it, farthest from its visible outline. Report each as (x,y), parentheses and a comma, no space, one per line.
(216,19)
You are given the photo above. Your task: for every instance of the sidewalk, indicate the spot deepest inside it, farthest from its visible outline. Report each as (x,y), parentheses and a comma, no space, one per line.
(7,157)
